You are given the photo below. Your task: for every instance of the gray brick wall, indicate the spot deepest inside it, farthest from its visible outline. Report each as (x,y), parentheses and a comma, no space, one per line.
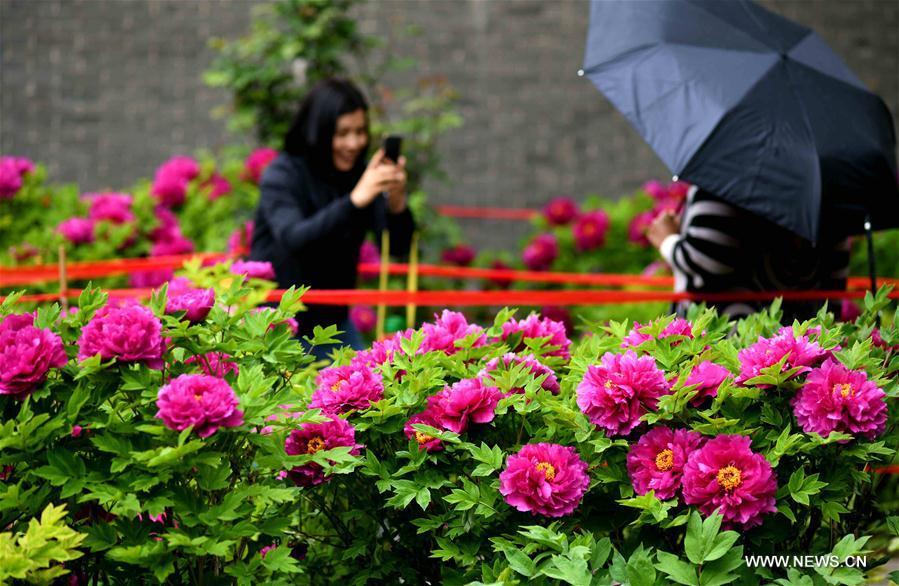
(104,90)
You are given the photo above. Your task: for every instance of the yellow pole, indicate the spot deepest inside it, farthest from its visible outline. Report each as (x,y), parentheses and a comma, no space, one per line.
(382,284)
(63,280)
(412,280)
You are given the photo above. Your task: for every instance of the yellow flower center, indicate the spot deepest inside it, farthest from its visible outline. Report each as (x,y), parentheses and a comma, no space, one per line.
(423,438)
(336,386)
(729,478)
(665,460)
(844,389)
(315,444)
(548,471)
(610,385)
(198,397)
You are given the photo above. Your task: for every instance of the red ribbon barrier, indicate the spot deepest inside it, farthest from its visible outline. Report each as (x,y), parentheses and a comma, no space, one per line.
(486,213)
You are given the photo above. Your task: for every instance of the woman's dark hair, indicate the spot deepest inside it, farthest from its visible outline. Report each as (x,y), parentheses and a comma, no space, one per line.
(312,132)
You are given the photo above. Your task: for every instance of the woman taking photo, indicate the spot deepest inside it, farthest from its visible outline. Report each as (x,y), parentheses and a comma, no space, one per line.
(320,197)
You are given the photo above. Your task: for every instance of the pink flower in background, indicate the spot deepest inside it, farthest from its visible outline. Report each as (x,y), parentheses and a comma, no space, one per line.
(76,431)
(636,230)
(179,166)
(342,389)
(544,479)
(22,165)
(559,314)
(709,376)
(215,364)
(150,279)
(424,441)
(167,227)
(110,207)
(849,311)
(460,255)
(501,282)
(363,317)
(725,474)
(769,351)
(369,254)
(534,327)
(217,185)
(678,327)
(175,243)
(169,190)
(448,327)
(128,333)
(536,368)
(241,239)
(656,190)
(256,164)
(877,340)
(656,461)
(590,230)
(835,398)
(560,211)
(266,549)
(27,354)
(77,230)
(204,402)
(254,269)
(195,302)
(315,437)
(23,252)
(678,190)
(10,179)
(467,400)
(541,252)
(620,390)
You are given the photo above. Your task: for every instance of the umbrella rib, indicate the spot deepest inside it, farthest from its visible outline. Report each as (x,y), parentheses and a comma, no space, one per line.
(745,32)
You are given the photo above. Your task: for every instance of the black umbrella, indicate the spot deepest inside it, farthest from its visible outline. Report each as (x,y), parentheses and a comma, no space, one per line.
(750,106)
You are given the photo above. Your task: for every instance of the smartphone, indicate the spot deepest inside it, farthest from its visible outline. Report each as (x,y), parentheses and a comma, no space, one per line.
(392,146)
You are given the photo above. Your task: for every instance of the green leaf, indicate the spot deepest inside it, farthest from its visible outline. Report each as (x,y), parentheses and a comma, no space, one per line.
(677,570)
(570,571)
(520,562)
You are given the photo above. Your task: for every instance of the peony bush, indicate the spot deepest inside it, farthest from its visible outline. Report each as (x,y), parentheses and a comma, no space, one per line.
(213,449)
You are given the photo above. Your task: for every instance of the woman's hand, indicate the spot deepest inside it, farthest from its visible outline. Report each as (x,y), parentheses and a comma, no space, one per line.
(380,175)
(663,226)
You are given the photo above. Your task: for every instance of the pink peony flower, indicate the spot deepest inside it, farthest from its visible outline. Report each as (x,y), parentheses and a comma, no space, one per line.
(590,230)
(22,165)
(76,431)
(342,389)
(541,252)
(129,333)
(256,164)
(709,377)
(179,166)
(241,239)
(637,229)
(23,252)
(174,243)
(534,327)
(679,327)
(196,303)
(77,230)
(369,254)
(467,400)
(560,211)
(425,441)
(726,475)
(168,228)
(678,190)
(254,269)
(620,390)
(500,282)
(150,279)
(544,479)
(266,549)
(878,341)
(169,190)
(835,398)
(460,255)
(314,437)
(448,327)
(656,190)
(849,311)
(110,207)
(382,350)
(559,314)
(217,185)
(656,461)
(215,364)
(198,400)
(769,351)
(536,368)
(10,179)
(27,354)
(363,317)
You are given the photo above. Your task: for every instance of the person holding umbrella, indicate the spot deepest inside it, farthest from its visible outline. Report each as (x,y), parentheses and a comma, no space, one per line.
(715,247)
(792,153)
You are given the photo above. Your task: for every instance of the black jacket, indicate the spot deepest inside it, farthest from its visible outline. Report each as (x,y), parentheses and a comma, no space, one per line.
(311,233)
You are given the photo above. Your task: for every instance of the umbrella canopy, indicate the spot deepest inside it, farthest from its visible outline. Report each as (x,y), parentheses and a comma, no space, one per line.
(750,106)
